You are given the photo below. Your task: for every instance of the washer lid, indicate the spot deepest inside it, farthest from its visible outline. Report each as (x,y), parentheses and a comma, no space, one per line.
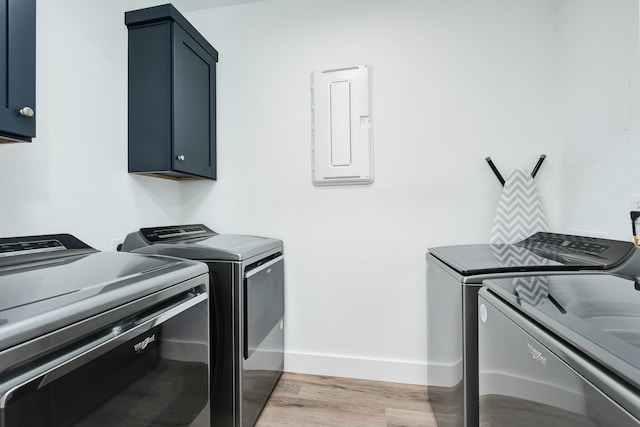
(76,275)
(598,314)
(38,297)
(540,252)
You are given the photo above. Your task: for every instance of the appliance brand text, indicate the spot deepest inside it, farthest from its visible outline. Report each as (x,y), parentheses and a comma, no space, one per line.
(536,355)
(144,343)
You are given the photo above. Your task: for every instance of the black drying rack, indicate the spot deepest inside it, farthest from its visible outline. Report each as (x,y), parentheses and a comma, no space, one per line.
(499,175)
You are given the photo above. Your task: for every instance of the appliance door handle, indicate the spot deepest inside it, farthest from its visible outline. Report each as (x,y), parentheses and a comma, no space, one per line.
(263,267)
(62,365)
(245,321)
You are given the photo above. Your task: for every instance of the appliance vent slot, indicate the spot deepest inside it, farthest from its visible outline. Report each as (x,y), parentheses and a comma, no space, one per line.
(340,69)
(342,177)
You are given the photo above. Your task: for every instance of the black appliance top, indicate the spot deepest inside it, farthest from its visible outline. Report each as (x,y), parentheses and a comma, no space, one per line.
(198,242)
(49,282)
(22,250)
(598,314)
(177,233)
(540,252)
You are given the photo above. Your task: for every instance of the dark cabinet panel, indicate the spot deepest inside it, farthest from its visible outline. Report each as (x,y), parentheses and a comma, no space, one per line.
(150,104)
(172,96)
(194,69)
(17,70)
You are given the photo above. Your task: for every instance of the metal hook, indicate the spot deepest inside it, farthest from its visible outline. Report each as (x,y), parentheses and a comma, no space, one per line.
(495,170)
(535,169)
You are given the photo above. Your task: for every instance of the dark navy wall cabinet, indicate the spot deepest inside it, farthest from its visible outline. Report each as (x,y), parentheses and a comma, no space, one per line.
(172,96)
(17,70)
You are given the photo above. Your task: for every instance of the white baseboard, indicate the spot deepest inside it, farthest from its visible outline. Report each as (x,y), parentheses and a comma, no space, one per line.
(397,371)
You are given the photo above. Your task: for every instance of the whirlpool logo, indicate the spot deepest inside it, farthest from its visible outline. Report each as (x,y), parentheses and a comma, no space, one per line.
(536,355)
(144,343)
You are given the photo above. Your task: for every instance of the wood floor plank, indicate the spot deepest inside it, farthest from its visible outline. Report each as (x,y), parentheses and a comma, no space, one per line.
(404,418)
(302,400)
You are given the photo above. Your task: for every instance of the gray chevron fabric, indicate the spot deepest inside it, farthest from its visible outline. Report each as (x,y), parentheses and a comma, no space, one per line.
(516,256)
(532,290)
(519,213)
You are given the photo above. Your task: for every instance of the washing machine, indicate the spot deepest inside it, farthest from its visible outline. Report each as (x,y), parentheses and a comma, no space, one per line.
(91,338)
(454,276)
(247,312)
(565,355)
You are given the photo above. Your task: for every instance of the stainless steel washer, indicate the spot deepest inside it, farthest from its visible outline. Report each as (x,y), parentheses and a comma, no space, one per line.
(247,312)
(100,338)
(454,276)
(570,357)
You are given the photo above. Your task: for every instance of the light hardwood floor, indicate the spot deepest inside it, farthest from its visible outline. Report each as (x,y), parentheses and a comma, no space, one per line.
(314,401)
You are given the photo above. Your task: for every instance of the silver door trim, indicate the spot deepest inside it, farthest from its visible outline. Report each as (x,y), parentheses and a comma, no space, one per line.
(263,267)
(100,346)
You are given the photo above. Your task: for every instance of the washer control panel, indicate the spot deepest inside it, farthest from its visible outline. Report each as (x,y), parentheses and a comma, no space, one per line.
(11,249)
(17,250)
(602,251)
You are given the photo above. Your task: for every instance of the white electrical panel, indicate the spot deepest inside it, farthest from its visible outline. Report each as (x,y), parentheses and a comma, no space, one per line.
(341,126)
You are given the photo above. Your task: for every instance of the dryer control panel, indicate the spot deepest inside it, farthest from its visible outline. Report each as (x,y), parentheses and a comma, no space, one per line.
(176,232)
(148,236)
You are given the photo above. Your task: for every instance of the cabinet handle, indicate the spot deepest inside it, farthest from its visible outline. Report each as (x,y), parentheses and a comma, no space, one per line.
(181,157)
(26,111)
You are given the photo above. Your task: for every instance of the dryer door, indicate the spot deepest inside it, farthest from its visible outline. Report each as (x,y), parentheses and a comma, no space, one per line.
(263,346)
(264,303)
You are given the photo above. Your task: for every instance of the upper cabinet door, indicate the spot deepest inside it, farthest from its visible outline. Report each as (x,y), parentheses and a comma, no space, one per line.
(17,70)
(194,87)
(172,96)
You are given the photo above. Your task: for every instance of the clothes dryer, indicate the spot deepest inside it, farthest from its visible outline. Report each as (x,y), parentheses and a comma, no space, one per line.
(247,312)
(454,276)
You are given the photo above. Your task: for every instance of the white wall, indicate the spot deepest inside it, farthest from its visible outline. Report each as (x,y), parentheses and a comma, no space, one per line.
(73,176)
(453,82)
(599,92)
